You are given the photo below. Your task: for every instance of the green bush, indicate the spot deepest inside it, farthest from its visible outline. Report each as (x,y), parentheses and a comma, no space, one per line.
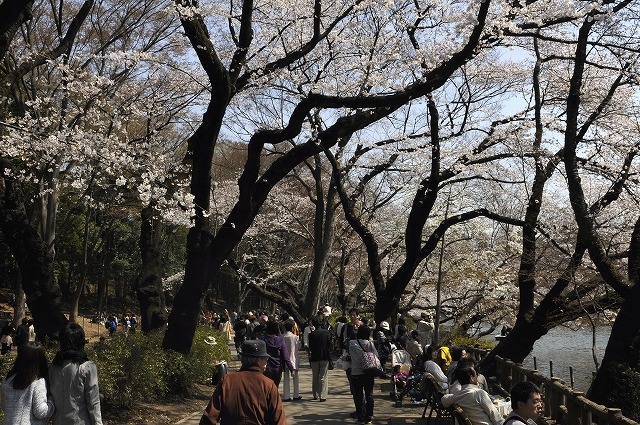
(198,366)
(467,341)
(130,368)
(625,391)
(133,368)
(6,362)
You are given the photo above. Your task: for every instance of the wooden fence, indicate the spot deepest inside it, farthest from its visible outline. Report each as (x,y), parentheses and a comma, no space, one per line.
(562,404)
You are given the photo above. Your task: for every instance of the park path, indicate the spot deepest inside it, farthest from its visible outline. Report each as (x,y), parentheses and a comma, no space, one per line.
(339,402)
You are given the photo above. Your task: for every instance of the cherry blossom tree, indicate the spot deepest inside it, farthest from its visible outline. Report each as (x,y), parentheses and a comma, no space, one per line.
(100,117)
(620,144)
(269,51)
(32,254)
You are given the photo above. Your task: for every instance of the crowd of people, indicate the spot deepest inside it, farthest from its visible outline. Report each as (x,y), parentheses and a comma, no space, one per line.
(128,323)
(269,349)
(273,345)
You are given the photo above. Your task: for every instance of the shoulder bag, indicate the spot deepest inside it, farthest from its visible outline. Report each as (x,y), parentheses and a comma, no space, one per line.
(370,363)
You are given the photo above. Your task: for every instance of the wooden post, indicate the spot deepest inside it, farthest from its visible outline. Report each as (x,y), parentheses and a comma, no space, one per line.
(614,415)
(576,412)
(554,398)
(571,375)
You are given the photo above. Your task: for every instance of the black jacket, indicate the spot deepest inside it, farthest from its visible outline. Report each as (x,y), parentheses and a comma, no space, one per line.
(319,345)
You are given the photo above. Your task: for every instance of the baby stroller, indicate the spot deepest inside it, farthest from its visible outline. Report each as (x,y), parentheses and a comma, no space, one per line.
(406,378)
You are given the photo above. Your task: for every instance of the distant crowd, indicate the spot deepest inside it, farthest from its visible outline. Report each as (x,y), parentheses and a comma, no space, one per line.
(128,322)
(353,340)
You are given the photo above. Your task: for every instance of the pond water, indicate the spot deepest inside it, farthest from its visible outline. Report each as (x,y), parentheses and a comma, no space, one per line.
(569,348)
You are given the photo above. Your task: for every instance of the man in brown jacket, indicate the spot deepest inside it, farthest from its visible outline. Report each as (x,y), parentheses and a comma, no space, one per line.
(246,397)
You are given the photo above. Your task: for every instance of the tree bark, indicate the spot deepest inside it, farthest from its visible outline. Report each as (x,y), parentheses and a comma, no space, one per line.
(323,225)
(148,285)
(610,385)
(77,293)
(12,14)
(19,310)
(33,258)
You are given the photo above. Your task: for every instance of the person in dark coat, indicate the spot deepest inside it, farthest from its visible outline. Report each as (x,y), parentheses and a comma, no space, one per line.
(239,333)
(22,333)
(247,396)
(319,356)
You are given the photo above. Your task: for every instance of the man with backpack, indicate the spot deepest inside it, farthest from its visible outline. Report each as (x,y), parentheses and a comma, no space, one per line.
(111,324)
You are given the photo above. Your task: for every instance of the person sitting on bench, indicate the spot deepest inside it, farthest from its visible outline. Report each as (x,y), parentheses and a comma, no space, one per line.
(475,402)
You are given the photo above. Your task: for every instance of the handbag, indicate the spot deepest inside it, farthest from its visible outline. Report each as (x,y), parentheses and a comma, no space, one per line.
(344,361)
(370,363)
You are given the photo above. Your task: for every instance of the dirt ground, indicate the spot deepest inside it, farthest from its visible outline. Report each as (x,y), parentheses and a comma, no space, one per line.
(164,412)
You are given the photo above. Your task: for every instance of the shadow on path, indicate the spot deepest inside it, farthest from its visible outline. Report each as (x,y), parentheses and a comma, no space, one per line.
(339,404)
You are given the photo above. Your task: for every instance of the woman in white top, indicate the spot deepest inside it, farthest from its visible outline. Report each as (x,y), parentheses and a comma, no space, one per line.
(431,354)
(24,390)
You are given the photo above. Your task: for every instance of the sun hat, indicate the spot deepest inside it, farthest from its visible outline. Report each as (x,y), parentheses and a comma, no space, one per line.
(254,348)
(385,325)
(210,340)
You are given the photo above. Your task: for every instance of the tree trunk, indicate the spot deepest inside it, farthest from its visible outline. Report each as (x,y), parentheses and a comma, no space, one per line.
(19,311)
(101,295)
(611,383)
(617,376)
(621,361)
(75,300)
(153,311)
(12,14)
(517,345)
(199,268)
(323,226)
(36,265)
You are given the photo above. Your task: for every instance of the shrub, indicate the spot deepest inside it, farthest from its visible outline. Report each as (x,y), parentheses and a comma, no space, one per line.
(198,366)
(130,368)
(133,368)
(467,341)
(6,362)
(625,391)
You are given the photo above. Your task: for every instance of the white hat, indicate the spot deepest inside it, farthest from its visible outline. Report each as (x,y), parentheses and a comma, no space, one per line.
(326,310)
(210,340)
(385,325)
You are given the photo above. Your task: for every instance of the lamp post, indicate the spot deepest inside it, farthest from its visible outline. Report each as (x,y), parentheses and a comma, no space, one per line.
(436,331)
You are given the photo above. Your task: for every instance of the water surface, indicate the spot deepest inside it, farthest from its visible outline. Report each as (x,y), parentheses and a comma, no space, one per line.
(569,348)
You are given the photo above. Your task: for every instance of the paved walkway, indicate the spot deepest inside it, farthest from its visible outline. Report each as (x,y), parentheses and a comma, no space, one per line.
(339,403)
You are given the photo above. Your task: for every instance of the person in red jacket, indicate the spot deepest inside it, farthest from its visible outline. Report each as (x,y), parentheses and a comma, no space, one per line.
(246,396)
